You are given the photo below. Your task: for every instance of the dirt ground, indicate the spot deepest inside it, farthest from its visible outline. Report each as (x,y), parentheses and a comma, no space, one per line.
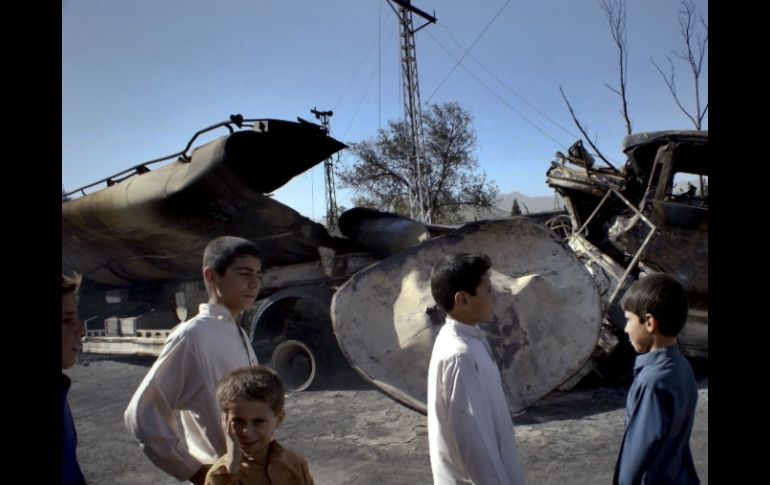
(352,434)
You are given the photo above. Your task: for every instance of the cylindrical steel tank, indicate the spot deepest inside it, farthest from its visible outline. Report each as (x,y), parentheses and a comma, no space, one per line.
(154,226)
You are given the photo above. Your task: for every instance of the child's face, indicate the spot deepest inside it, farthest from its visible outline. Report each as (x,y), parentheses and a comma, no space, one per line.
(254,423)
(638,333)
(72,331)
(239,287)
(482,304)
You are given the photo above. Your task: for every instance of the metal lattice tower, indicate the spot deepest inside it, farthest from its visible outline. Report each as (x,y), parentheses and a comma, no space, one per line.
(412,106)
(331,193)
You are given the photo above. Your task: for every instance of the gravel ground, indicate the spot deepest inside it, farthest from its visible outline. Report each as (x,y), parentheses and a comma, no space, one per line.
(352,434)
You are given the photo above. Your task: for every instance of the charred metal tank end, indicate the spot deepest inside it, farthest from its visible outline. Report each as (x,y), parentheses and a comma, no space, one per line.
(292,331)
(384,233)
(545,325)
(295,363)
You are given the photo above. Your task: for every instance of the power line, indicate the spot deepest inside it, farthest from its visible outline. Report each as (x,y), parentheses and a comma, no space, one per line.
(524,100)
(503,100)
(368,84)
(360,101)
(468,50)
(375,42)
(506,103)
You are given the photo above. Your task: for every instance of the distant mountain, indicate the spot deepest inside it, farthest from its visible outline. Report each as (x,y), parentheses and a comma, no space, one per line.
(526,203)
(502,208)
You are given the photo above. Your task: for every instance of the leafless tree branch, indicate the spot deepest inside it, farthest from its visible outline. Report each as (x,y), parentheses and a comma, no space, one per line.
(616,16)
(692,55)
(582,130)
(671,83)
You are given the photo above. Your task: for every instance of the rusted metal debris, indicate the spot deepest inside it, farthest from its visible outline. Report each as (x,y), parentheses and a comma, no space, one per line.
(643,218)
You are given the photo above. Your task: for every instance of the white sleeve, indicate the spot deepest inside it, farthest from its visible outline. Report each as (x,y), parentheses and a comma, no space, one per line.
(470,425)
(151,413)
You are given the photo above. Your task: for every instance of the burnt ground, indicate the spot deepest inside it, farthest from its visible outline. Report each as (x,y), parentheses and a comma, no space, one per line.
(353,434)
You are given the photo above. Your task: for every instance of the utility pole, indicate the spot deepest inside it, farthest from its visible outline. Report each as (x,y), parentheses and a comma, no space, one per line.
(331,197)
(412,108)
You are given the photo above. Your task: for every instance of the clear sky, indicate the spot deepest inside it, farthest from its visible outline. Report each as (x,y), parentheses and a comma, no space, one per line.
(139,77)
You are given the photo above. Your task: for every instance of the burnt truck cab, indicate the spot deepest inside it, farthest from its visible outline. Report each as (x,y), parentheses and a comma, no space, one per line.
(669,160)
(651,215)
(674,168)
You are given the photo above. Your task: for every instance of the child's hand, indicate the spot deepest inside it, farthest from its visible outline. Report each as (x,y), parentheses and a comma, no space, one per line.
(233,454)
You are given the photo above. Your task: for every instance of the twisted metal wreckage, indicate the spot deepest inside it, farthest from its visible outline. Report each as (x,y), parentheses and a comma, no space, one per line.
(365,297)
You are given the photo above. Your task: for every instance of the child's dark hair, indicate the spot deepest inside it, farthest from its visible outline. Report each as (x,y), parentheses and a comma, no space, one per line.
(256,383)
(663,297)
(222,251)
(457,272)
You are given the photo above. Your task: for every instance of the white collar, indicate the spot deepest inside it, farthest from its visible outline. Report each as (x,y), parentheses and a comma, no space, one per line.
(215,310)
(464,328)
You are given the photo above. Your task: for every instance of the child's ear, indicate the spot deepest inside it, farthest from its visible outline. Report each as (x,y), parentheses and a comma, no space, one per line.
(650,323)
(208,274)
(460,298)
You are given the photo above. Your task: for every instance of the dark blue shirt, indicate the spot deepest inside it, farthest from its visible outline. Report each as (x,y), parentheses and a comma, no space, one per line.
(660,410)
(70,469)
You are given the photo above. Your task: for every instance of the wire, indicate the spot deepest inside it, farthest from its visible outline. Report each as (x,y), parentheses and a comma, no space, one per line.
(503,100)
(375,42)
(360,101)
(510,88)
(468,50)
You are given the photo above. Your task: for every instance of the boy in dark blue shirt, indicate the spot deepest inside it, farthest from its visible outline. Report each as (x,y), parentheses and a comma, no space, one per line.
(660,407)
(72,331)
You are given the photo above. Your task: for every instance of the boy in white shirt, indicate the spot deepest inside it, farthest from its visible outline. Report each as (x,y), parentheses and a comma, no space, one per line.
(470,432)
(196,355)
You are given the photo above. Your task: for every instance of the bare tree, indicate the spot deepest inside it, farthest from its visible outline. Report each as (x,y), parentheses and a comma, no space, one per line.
(616,16)
(582,130)
(693,56)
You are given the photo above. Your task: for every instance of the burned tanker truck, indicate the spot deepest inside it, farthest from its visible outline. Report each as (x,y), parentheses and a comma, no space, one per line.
(361,299)
(138,242)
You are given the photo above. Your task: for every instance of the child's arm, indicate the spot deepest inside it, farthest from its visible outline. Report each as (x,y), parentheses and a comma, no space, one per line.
(219,474)
(647,426)
(233,455)
(151,414)
(470,422)
(225,470)
(306,477)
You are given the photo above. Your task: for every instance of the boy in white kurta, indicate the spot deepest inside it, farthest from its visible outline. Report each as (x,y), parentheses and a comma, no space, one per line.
(470,432)
(196,355)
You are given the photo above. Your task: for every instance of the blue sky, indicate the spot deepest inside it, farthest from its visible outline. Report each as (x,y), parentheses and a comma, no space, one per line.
(139,77)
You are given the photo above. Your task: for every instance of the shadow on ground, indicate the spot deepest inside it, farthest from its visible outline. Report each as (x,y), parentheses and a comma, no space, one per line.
(595,394)
(341,378)
(140,360)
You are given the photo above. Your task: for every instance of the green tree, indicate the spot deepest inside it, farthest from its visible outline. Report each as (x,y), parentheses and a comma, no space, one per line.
(382,174)
(515,210)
